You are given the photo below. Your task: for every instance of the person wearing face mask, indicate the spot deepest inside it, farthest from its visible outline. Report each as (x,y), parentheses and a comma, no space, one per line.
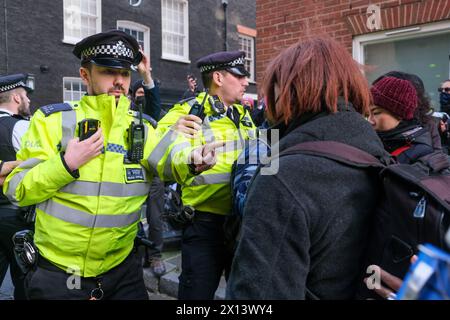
(14,114)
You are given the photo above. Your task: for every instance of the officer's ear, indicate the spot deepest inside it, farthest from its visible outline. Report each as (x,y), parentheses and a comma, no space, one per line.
(85,75)
(15,97)
(217,78)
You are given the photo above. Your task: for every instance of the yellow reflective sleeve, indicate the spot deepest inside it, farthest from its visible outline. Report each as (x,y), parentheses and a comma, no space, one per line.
(42,173)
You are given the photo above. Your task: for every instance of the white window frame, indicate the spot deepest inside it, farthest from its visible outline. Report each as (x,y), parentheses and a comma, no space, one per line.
(138,27)
(74,40)
(72,79)
(252,64)
(412,32)
(172,57)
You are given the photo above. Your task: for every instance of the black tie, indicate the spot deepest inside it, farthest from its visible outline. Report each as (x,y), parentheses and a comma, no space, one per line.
(232,116)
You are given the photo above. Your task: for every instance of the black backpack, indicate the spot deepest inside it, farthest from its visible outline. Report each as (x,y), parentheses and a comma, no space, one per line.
(414,207)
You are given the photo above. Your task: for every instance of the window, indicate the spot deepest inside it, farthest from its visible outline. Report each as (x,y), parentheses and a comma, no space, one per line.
(82,18)
(139,31)
(421,50)
(74,89)
(246,44)
(175,30)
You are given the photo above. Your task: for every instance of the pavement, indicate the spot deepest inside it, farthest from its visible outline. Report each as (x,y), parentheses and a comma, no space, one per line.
(166,287)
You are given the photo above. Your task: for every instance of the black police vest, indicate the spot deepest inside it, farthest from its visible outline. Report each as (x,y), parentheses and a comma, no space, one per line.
(7,151)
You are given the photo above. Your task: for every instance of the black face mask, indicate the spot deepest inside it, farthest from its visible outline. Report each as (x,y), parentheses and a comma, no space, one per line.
(140,101)
(444,99)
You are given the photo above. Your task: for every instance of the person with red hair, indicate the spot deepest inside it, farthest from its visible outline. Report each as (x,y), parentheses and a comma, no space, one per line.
(305,227)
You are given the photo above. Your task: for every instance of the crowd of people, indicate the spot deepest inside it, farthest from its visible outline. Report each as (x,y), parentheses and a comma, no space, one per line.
(83,170)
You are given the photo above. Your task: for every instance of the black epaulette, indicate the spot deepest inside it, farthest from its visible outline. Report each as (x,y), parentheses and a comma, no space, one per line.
(53,108)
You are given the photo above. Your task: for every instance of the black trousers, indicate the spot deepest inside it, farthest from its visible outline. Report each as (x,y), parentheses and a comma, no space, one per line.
(11,222)
(204,257)
(155,208)
(124,282)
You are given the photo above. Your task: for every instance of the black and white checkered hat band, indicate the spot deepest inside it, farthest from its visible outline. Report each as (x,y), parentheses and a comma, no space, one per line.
(12,86)
(108,50)
(236,62)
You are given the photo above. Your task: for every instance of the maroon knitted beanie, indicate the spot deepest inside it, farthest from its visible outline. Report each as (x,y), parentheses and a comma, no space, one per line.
(395,95)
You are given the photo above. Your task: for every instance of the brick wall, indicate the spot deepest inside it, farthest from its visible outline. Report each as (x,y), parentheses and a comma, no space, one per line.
(280,23)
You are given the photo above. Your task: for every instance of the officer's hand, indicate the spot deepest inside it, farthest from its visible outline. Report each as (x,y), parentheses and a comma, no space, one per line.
(80,152)
(7,167)
(188,125)
(204,157)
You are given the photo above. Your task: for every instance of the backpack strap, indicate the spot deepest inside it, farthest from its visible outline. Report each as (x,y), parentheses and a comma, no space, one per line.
(437,161)
(337,151)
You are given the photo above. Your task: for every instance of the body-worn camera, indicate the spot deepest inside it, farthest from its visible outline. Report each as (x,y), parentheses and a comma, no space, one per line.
(216,105)
(25,252)
(87,127)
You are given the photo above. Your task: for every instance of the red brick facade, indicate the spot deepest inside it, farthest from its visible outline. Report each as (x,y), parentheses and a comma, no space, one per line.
(280,23)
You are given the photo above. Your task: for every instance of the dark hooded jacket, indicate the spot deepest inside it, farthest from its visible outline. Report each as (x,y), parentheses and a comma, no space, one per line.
(305,228)
(407,142)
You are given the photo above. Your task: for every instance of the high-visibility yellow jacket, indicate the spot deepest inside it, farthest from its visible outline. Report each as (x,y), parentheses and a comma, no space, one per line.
(86,224)
(210,191)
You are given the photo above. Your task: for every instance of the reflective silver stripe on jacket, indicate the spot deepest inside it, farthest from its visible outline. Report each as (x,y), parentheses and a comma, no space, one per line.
(207,131)
(168,164)
(161,148)
(69,122)
(85,219)
(111,189)
(30,163)
(17,178)
(206,179)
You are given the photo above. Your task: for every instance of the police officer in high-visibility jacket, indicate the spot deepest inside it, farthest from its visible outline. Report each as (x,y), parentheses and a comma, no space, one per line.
(225,122)
(14,114)
(88,187)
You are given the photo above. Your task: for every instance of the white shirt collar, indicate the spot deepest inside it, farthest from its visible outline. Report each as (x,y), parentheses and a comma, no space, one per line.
(6,110)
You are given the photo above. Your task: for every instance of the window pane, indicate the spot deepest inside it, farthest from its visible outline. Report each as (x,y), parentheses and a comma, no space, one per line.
(427,57)
(93,7)
(85,6)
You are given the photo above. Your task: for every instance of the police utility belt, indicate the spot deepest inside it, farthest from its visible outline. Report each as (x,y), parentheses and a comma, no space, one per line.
(188,214)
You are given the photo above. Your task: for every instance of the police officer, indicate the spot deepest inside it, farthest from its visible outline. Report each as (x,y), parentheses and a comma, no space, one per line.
(225,125)
(88,179)
(14,112)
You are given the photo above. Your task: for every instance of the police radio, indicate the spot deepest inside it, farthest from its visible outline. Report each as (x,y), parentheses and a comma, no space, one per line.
(198,109)
(87,128)
(136,140)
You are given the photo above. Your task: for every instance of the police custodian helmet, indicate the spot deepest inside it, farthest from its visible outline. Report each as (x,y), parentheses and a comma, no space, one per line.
(112,49)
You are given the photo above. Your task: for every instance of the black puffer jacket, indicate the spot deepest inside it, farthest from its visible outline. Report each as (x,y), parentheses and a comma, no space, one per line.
(306,227)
